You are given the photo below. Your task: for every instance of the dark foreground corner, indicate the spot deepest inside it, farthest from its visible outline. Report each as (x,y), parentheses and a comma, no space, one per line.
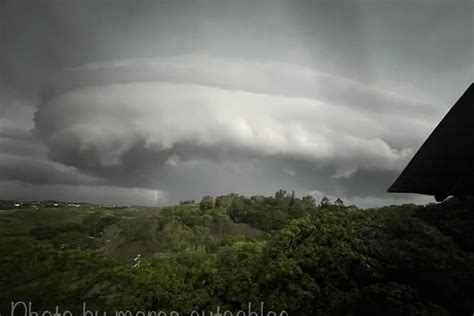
(444,165)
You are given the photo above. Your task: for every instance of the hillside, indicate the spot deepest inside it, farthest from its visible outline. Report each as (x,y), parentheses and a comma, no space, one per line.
(290,253)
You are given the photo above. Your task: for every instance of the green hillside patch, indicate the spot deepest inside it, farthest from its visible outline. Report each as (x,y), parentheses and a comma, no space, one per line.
(229,251)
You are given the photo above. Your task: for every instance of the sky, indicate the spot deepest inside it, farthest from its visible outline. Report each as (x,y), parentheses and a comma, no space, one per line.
(153,102)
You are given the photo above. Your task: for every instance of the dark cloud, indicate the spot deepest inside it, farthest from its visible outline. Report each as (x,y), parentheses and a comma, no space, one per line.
(173,100)
(33,170)
(365,183)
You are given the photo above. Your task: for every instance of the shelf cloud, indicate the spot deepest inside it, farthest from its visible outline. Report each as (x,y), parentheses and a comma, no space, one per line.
(235,112)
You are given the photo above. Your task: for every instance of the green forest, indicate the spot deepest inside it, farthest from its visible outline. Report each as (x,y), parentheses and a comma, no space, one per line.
(297,255)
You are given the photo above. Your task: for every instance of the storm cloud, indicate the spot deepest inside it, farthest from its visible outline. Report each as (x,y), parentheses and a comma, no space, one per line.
(174,101)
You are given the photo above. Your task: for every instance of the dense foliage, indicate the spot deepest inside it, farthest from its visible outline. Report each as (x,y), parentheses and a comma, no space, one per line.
(288,252)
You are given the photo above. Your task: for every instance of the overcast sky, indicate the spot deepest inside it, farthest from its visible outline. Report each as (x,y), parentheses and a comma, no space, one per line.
(152,102)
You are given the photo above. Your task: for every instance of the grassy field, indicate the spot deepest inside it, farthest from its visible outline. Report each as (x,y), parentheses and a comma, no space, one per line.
(17,224)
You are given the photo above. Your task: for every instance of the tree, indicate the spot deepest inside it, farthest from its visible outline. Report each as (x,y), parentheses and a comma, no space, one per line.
(206,203)
(324,201)
(309,199)
(339,202)
(292,201)
(224,201)
(280,194)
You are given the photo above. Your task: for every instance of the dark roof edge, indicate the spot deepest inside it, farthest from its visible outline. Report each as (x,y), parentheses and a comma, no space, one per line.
(393,188)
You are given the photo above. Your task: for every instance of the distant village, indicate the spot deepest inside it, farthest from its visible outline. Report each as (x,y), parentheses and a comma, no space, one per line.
(12,204)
